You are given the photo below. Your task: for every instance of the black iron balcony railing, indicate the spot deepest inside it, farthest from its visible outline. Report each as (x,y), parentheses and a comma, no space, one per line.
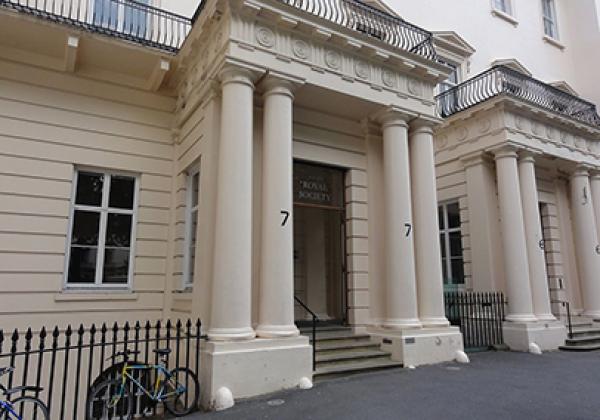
(501,80)
(126,19)
(358,16)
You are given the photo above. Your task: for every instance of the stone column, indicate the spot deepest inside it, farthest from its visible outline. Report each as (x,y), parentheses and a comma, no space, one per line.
(401,294)
(595,188)
(516,266)
(232,271)
(430,284)
(534,239)
(276,302)
(586,241)
(484,223)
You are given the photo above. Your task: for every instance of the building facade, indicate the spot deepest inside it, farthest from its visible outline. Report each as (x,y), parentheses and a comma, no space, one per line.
(517,154)
(250,162)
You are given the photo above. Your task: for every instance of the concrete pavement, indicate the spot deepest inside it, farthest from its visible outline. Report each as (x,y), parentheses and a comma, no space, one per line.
(496,385)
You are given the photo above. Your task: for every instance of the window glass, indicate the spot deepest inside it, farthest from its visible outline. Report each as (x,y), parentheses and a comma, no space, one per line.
(503,6)
(121,192)
(116,266)
(453,215)
(549,17)
(89,189)
(101,229)
(82,265)
(118,230)
(451,245)
(106,13)
(85,228)
(193,200)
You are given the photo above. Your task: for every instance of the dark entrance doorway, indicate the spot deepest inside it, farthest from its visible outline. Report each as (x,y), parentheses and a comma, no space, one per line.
(319,242)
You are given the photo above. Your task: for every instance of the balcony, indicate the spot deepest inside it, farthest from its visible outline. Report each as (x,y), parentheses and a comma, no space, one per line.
(125,19)
(501,80)
(360,17)
(150,26)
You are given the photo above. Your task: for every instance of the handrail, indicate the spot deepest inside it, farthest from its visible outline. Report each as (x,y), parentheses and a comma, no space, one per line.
(126,19)
(315,319)
(361,17)
(567,306)
(503,80)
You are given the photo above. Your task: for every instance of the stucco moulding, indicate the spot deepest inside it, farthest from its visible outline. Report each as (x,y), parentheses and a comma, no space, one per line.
(354,59)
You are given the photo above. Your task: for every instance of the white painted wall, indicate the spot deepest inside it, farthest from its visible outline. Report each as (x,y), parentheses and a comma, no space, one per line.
(496,38)
(181,7)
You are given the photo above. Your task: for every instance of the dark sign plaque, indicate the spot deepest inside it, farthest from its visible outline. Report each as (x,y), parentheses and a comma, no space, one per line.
(318,185)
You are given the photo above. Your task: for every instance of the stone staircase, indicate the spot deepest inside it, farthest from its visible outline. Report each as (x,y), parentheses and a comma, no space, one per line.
(586,335)
(341,352)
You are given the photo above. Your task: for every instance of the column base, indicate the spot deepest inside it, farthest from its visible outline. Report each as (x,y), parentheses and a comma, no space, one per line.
(421,346)
(594,314)
(254,367)
(400,324)
(277,331)
(547,335)
(545,317)
(231,334)
(438,322)
(522,318)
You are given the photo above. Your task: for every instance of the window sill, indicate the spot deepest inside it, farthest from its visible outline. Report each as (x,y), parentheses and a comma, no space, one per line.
(95,295)
(505,16)
(554,42)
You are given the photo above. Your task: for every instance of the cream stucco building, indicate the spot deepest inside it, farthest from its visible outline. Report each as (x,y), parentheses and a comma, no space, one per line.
(220,161)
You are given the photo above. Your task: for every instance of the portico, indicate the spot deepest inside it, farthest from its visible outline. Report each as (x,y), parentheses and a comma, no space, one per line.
(529,200)
(380,275)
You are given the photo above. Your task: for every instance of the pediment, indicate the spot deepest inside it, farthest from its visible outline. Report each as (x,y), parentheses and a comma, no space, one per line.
(450,40)
(512,63)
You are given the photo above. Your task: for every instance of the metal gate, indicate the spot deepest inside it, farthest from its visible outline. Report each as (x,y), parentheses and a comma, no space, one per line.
(479,315)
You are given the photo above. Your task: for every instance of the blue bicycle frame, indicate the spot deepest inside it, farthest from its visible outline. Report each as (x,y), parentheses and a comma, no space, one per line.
(6,408)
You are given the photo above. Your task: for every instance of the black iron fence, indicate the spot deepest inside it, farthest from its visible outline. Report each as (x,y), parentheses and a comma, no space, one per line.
(503,80)
(358,16)
(478,315)
(126,19)
(65,363)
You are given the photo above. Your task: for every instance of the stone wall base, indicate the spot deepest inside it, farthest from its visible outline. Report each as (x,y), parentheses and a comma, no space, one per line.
(547,335)
(414,347)
(251,368)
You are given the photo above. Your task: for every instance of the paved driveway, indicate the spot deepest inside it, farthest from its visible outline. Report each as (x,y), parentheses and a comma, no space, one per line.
(502,385)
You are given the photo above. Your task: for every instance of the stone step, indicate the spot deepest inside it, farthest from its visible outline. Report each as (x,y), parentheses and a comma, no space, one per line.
(350,355)
(339,336)
(585,332)
(583,341)
(345,345)
(306,330)
(591,347)
(336,370)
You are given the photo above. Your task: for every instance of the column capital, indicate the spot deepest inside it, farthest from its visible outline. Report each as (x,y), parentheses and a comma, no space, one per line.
(393,116)
(423,125)
(595,174)
(277,84)
(581,170)
(233,74)
(505,151)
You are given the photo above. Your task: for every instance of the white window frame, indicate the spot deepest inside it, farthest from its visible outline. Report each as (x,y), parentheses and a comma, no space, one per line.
(458,70)
(552,19)
(446,231)
(120,14)
(104,211)
(187,281)
(506,9)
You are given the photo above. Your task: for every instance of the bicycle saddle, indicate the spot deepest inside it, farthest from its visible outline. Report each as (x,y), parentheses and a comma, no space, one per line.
(5,370)
(125,354)
(162,352)
(18,389)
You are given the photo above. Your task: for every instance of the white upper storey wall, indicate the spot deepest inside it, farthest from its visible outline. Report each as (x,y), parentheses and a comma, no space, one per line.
(495,37)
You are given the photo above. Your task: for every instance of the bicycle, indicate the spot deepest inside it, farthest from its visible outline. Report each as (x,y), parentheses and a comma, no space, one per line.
(24,407)
(115,397)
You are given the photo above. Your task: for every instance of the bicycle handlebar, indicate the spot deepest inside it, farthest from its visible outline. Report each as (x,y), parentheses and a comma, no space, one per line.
(125,353)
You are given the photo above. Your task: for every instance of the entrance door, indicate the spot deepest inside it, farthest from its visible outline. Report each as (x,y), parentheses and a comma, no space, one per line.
(319,238)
